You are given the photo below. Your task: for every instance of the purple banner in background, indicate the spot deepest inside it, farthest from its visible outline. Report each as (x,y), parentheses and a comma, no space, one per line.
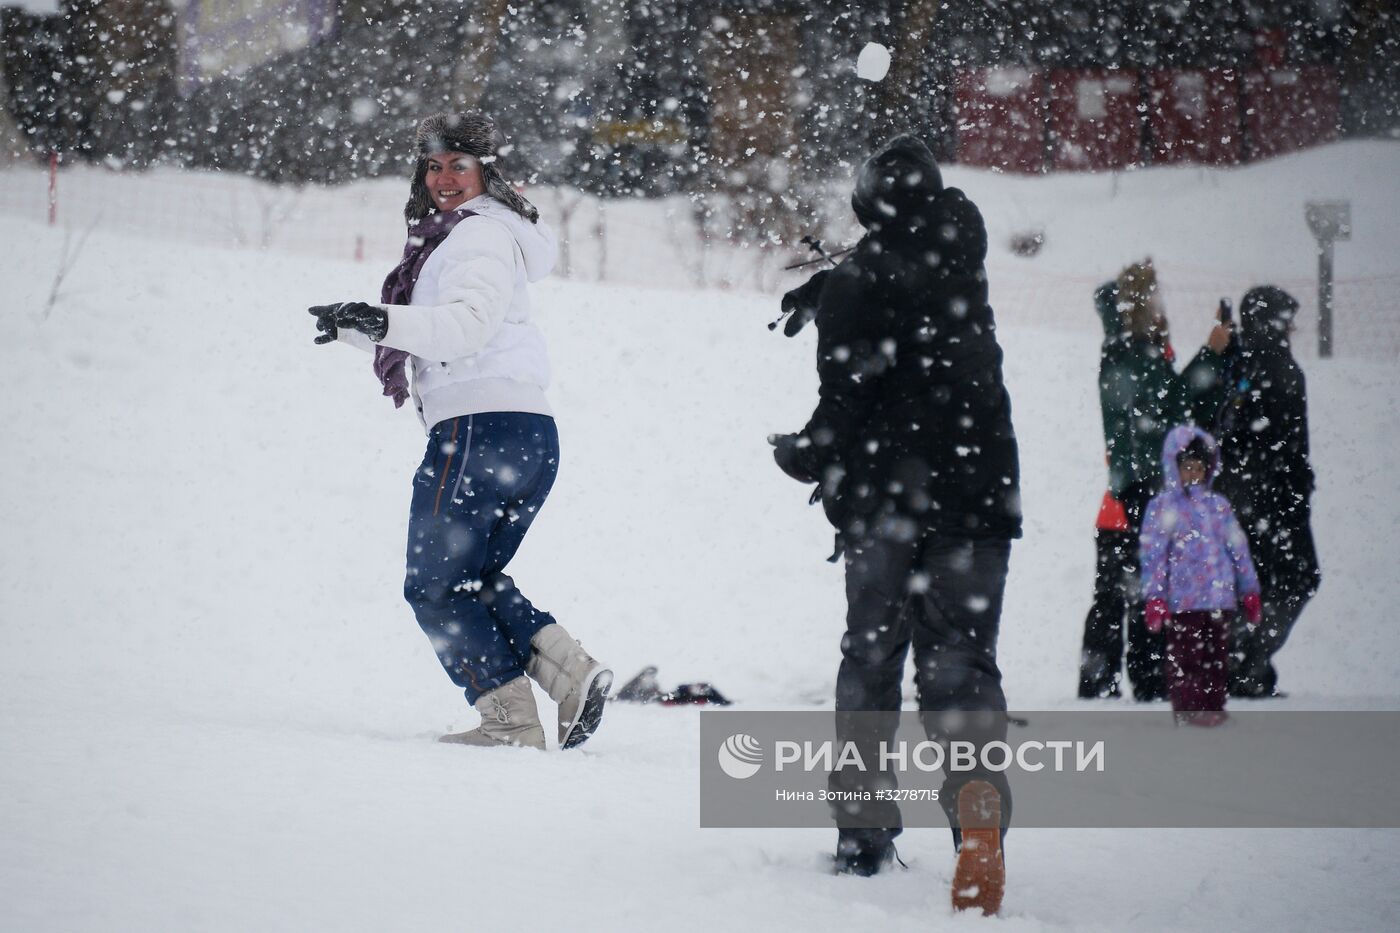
(239,36)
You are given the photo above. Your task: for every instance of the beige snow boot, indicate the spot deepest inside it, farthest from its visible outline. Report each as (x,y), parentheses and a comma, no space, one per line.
(508,717)
(575,681)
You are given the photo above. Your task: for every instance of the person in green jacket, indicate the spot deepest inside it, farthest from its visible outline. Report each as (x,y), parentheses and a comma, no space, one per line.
(1142,397)
(1117,595)
(1157,397)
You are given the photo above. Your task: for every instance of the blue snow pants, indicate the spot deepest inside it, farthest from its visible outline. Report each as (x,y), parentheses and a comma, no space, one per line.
(481,484)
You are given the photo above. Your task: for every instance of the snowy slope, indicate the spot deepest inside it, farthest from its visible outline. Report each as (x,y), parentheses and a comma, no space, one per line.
(1212,232)
(216,712)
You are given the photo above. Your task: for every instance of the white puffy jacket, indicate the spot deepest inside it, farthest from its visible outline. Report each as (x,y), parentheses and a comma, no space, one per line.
(468,325)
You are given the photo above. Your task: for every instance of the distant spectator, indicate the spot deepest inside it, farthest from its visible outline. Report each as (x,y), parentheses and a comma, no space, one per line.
(1142,397)
(1196,575)
(1263,431)
(1117,595)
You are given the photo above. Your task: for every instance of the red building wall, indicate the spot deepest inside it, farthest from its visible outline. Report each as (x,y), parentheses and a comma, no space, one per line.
(1287,109)
(1001,119)
(1023,120)
(1095,123)
(1194,116)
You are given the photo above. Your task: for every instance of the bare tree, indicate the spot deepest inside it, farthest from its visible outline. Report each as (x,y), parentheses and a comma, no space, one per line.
(273,204)
(751,63)
(566,202)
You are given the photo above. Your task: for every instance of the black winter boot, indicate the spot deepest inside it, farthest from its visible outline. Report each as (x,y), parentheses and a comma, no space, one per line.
(864,852)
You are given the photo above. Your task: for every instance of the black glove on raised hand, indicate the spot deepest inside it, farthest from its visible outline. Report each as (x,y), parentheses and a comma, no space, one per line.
(802,303)
(370,320)
(788,451)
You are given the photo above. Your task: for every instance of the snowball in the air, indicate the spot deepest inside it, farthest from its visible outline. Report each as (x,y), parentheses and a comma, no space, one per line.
(874,62)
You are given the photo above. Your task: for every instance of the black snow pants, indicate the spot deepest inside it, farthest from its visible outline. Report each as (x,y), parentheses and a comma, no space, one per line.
(943,596)
(1147,652)
(1117,615)
(1252,671)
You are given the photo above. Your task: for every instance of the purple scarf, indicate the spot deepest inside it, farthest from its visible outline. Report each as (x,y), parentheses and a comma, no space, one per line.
(423,238)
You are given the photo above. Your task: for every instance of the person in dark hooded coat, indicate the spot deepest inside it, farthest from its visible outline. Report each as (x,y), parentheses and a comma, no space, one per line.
(1115,616)
(912,446)
(1267,476)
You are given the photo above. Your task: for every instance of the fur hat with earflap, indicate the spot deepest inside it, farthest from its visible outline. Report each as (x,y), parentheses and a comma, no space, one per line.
(473,133)
(1138,302)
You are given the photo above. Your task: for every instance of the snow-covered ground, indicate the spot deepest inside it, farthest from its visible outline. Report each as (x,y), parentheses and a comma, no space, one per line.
(216,712)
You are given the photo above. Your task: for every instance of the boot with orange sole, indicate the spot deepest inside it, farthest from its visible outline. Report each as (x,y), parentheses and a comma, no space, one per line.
(979,880)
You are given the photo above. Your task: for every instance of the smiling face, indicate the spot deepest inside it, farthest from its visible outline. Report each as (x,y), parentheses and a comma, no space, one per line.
(453,178)
(1193,471)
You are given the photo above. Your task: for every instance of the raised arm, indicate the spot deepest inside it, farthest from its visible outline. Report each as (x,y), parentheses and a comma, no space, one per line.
(849,363)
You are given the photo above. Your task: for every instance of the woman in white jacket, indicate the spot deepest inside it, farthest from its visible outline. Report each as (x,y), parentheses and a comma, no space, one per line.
(455,313)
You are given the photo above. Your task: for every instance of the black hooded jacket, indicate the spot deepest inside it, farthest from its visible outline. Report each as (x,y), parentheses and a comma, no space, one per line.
(1266,471)
(912,432)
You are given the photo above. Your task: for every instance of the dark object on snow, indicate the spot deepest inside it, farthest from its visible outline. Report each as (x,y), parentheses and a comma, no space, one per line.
(369,320)
(644,688)
(1266,473)
(640,689)
(697,694)
(1027,243)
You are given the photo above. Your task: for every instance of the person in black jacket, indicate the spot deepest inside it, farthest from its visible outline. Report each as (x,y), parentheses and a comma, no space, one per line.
(912,446)
(1268,478)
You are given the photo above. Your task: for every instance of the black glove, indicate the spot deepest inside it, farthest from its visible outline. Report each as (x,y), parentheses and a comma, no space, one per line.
(370,320)
(802,302)
(790,452)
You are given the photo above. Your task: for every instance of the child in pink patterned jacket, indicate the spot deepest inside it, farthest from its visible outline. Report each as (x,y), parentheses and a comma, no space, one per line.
(1196,573)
